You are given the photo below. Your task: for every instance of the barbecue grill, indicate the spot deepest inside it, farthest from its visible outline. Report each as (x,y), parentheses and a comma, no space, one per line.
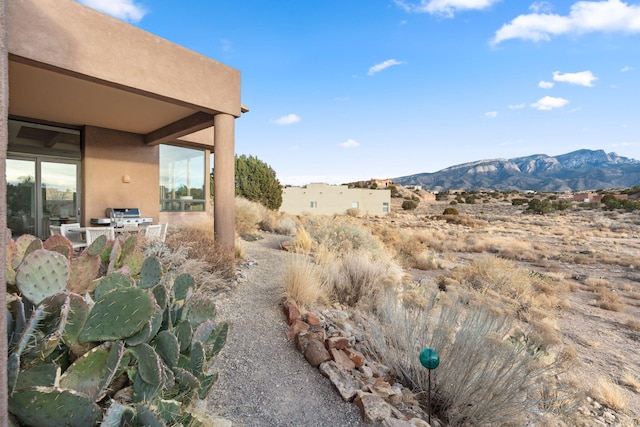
(130,216)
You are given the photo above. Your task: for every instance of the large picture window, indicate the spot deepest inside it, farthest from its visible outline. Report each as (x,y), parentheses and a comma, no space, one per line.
(182,178)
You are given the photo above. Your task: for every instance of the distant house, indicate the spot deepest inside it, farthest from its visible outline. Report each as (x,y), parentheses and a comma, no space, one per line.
(380,183)
(319,198)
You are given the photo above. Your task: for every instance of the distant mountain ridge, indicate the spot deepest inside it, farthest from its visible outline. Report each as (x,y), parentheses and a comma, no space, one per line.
(576,171)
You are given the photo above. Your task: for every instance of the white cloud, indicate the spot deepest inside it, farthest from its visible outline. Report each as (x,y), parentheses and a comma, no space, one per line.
(546,85)
(517,106)
(446,8)
(491,114)
(541,7)
(626,68)
(289,119)
(582,78)
(383,65)
(349,143)
(549,103)
(127,10)
(584,17)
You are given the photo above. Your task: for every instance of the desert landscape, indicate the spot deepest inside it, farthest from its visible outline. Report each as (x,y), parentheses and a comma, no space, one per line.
(594,255)
(566,283)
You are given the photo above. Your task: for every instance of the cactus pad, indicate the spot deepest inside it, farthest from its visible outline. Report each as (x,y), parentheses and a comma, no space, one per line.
(151,273)
(84,268)
(59,243)
(186,379)
(111,282)
(183,332)
(148,417)
(43,375)
(168,348)
(206,382)
(118,314)
(52,407)
(149,364)
(84,375)
(199,308)
(198,359)
(183,286)
(217,339)
(42,273)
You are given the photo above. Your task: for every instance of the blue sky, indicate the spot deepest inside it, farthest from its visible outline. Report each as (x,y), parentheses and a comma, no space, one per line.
(341,90)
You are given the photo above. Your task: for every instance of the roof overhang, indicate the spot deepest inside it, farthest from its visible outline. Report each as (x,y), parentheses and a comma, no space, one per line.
(69,64)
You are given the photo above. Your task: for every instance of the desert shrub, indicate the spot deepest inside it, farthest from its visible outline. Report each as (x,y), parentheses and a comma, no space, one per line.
(354,212)
(450,211)
(609,299)
(633,324)
(482,378)
(607,392)
(255,180)
(453,203)
(302,242)
(342,234)
(394,191)
(287,226)
(409,205)
(197,243)
(248,215)
(362,278)
(303,283)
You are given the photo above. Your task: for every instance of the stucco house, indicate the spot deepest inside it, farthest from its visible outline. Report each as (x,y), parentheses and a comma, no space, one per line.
(325,199)
(102,114)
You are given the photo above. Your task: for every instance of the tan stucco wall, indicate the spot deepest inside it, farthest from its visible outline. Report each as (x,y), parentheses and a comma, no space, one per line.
(108,155)
(70,37)
(333,199)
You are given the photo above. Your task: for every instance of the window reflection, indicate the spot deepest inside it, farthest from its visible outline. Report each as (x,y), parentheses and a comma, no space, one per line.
(182,178)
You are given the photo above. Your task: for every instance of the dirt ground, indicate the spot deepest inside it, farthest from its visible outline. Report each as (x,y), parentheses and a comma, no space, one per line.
(588,248)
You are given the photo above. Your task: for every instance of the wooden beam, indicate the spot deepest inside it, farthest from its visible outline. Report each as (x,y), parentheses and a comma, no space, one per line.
(182,127)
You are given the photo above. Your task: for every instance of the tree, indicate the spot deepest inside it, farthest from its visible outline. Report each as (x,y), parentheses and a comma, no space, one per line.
(256,181)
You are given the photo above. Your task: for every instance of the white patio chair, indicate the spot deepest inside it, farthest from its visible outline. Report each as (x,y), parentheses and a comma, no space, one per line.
(74,237)
(94,232)
(54,229)
(163,232)
(153,232)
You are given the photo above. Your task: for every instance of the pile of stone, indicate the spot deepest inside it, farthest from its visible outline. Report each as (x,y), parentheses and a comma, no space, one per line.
(330,342)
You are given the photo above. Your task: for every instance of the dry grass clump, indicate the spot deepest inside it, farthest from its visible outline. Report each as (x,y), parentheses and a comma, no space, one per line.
(342,234)
(463,220)
(303,282)
(609,299)
(482,378)
(629,380)
(197,243)
(360,278)
(248,215)
(633,324)
(610,394)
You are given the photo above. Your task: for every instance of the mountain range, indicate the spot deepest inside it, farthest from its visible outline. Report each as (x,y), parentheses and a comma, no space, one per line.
(576,171)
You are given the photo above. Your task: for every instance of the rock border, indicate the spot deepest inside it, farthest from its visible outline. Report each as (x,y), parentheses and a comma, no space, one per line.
(329,342)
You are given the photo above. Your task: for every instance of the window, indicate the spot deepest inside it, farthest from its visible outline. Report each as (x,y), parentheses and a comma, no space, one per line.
(314,204)
(182,178)
(385,207)
(355,205)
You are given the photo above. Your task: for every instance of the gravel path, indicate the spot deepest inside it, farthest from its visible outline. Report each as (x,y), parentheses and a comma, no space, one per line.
(263,379)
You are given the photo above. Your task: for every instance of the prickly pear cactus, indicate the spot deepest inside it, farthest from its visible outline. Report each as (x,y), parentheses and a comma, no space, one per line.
(41,274)
(52,407)
(76,338)
(118,314)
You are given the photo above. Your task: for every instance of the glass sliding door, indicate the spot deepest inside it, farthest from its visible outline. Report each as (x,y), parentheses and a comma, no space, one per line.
(21,196)
(43,175)
(59,194)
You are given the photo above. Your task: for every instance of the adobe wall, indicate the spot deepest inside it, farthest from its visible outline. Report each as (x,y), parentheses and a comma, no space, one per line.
(108,156)
(77,45)
(333,199)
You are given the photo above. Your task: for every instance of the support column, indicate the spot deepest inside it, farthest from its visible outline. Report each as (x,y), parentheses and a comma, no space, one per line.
(4,135)
(224,179)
